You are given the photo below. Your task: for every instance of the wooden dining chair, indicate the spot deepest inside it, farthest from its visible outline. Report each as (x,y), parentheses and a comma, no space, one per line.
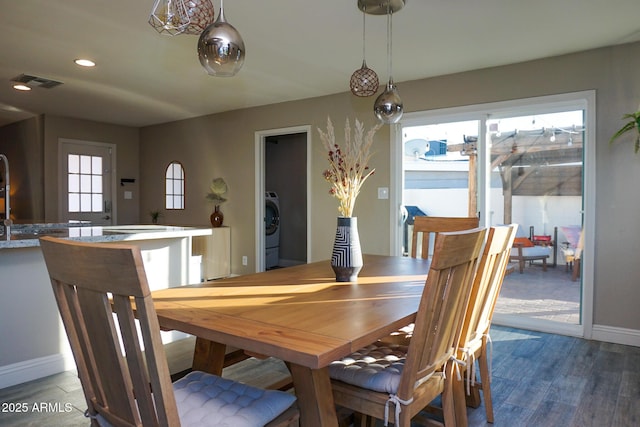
(378,378)
(426,226)
(100,289)
(477,320)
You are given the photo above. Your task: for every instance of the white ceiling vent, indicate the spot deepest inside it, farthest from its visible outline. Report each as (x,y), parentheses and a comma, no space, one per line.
(33,81)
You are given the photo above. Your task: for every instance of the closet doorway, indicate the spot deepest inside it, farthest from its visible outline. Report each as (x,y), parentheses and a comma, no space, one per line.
(282,180)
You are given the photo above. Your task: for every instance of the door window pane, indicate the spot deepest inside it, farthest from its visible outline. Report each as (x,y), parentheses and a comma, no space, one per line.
(74,163)
(85,179)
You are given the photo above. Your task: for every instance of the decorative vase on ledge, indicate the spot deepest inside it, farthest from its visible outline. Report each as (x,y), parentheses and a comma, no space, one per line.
(346,258)
(217,217)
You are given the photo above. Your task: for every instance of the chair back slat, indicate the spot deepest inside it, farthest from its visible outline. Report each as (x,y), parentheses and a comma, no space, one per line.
(426,229)
(442,306)
(110,371)
(487,283)
(135,361)
(95,285)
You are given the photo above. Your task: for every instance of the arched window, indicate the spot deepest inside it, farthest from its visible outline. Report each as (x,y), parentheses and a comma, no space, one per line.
(174,187)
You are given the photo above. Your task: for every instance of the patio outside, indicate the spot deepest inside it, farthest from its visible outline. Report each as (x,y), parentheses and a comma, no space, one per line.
(538,294)
(535,181)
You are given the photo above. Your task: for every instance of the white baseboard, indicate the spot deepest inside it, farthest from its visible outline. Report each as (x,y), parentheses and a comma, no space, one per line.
(28,370)
(598,333)
(616,335)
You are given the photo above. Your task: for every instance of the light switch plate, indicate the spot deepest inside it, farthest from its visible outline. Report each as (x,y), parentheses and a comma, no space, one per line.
(383,193)
(128,195)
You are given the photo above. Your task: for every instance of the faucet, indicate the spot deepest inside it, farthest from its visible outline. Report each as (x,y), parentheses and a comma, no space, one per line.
(7,208)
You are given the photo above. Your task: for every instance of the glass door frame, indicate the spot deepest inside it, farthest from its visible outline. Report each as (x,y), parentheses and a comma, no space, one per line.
(584,100)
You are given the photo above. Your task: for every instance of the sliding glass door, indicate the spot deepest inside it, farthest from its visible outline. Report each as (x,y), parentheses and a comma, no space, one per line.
(517,162)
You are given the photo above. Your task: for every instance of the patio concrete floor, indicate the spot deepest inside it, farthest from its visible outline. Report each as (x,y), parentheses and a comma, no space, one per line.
(549,295)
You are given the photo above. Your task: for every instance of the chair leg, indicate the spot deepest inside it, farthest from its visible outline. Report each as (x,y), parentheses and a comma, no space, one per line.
(575,273)
(454,407)
(485,378)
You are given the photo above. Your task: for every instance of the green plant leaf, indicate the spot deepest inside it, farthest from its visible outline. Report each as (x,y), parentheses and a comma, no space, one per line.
(626,128)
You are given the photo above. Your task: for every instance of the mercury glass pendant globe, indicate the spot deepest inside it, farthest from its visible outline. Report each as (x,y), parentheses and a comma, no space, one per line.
(220,48)
(388,107)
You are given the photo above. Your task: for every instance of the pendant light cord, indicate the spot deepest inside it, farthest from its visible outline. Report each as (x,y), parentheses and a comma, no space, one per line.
(364,23)
(389,41)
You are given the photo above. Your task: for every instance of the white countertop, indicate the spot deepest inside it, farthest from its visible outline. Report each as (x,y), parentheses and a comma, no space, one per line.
(27,235)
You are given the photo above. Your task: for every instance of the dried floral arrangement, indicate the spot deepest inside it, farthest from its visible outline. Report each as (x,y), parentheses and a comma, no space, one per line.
(348,165)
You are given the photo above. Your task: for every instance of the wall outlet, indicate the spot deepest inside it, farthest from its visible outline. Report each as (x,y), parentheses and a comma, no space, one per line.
(244,260)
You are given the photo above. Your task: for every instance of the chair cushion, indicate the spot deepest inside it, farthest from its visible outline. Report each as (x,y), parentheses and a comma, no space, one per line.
(400,337)
(536,251)
(376,367)
(207,400)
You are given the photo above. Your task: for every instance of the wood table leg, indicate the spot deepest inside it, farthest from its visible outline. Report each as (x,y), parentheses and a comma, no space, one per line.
(315,398)
(208,356)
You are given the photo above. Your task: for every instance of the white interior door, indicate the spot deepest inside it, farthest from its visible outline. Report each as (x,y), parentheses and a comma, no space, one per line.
(86,182)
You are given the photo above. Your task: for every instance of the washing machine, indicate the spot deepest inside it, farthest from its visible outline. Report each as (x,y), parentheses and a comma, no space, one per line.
(272,229)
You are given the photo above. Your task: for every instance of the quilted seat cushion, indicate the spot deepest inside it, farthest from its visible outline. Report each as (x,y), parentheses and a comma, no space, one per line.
(207,400)
(376,367)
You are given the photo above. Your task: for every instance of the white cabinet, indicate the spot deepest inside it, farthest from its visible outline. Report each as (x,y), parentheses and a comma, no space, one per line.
(216,253)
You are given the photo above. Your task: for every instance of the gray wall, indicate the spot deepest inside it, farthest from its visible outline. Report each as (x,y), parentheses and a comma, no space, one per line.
(224,145)
(32,148)
(22,143)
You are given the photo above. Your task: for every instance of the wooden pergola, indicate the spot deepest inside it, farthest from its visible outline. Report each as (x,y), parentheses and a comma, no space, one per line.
(543,162)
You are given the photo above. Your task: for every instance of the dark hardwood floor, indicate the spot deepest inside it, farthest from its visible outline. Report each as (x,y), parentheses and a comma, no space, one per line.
(538,380)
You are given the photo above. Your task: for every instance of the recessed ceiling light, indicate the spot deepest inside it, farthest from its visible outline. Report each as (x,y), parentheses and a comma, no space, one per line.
(21,87)
(85,62)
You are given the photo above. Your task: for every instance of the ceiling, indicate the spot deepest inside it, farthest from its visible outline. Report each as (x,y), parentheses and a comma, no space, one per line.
(296,49)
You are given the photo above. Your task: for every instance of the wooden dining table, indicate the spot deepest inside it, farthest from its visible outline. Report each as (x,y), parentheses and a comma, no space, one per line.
(298,314)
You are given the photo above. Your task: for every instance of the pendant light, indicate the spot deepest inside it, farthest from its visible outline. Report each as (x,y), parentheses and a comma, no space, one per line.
(364,81)
(169,17)
(201,14)
(175,17)
(388,106)
(220,48)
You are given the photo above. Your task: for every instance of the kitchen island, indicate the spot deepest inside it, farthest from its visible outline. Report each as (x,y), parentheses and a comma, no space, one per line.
(33,343)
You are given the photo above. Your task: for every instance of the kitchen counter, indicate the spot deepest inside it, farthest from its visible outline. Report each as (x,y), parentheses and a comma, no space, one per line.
(28,310)
(27,235)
